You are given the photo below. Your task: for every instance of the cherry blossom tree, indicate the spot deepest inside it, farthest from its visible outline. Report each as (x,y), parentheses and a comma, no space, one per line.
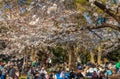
(42,23)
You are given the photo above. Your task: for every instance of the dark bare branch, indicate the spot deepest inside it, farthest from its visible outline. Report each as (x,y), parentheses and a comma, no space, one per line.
(104,26)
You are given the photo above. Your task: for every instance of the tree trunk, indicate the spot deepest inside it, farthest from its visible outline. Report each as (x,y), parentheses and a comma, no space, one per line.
(71,55)
(78,59)
(24,57)
(77,54)
(99,55)
(72,62)
(92,59)
(32,57)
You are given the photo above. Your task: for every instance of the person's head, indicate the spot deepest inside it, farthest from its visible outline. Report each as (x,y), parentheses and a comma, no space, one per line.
(42,68)
(81,78)
(106,68)
(11,66)
(72,70)
(94,72)
(101,73)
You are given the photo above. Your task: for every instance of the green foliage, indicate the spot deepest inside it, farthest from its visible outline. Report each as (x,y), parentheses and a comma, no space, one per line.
(81,1)
(58,51)
(59,54)
(99,11)
(114,55)
(1,4)
(85,57)
(104,1)
(28,1)
(81,5)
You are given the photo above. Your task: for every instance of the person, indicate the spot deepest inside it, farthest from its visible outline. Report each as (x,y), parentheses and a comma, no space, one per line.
(62,74)
(79,75)
(17,75)
(51,76)
(80,67)
(108,72)
(72,74)
(42,76)
(43,70)
(11,73)
(37,75)
(48,62)
(34,63)
(29,73)
(101,75)
(67,68)
(117,67)
(1,71)
(90,71)
(19,65)
(4,72)
(94,75)
(43,73)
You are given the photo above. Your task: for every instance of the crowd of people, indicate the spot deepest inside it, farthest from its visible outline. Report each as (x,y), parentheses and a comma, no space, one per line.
(37,70)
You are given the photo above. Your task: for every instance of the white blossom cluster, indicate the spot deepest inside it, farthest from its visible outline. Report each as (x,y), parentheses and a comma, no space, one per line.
(46,24)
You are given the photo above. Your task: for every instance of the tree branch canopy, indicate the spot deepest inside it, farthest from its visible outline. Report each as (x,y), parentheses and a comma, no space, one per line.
(108,11)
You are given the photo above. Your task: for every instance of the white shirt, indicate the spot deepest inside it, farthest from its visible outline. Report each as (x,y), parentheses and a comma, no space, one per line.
(91,70)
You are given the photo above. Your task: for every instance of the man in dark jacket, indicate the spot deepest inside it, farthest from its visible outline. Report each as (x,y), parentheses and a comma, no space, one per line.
(11,73)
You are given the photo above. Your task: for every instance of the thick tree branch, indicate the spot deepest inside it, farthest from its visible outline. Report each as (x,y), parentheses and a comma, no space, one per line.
(108,11)
(105,25)
(95,33)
